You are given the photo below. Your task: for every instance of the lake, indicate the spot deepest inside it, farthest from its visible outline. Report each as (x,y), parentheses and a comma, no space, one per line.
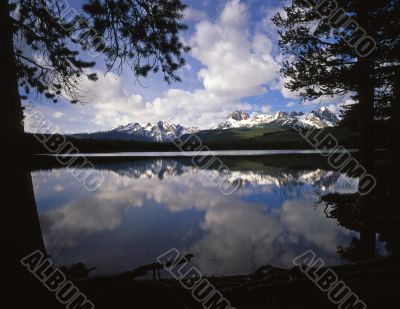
(233,153)
(147,206)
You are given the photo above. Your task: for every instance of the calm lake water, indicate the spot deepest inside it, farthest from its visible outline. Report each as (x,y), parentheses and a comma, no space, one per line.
(148,206)
(228,153)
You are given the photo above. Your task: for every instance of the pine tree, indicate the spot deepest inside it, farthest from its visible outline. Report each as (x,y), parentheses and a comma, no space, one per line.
(325,54)
(43,41)
(388,65)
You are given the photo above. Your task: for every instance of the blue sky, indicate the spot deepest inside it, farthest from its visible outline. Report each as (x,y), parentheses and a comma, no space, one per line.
(234,65)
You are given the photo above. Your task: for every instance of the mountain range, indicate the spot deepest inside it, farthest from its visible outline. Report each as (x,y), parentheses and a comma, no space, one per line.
(321,118)
(164,132)
(294,180)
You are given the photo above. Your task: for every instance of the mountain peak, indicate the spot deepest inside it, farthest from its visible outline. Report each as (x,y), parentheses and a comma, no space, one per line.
(324,113)
(159,132)
(165,132)
(320,118)
(280,115)
(239,116)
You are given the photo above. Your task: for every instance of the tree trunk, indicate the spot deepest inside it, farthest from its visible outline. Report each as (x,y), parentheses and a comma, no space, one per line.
(366,116)
(24,236)
(395,113)
(368,243)
(12,130)
(366,94)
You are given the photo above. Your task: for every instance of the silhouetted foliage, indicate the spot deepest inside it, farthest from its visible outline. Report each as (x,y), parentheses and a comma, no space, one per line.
(321,62)
(143,34)
(77,271)
(375,214)
(43,45)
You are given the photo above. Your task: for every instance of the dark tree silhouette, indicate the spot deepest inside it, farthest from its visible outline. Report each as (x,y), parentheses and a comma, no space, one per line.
(42,52)
(42,43)
(372,215)
(387,77)
(352,212)
(323,63)
(386,70)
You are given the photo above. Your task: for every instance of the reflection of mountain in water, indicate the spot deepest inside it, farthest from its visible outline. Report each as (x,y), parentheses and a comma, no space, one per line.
(314,181)
(149,169)
(146,207)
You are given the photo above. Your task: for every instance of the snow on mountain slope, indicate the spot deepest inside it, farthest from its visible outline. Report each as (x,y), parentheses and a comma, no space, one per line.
(321,118)
(160,132)
(323,181)
(164,132)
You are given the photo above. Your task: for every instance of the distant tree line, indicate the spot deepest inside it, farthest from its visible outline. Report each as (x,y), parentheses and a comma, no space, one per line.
(289,139)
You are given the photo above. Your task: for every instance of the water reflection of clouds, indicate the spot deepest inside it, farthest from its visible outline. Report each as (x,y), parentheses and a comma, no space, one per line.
(234,235)
(241,237)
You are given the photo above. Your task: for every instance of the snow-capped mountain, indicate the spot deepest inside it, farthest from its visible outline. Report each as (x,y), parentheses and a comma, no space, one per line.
(293,181)
(165,132)
(160,132)
(321,118)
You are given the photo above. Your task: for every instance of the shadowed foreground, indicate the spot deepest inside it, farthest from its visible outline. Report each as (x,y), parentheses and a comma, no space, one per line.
(373,278)
(374,281)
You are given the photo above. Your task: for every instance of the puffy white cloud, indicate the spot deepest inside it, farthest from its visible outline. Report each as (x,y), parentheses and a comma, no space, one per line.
(235,64)
(286,93)
(265,109)
(58,114)
(269,12)
(246,233)
(113,106)
(193,14)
